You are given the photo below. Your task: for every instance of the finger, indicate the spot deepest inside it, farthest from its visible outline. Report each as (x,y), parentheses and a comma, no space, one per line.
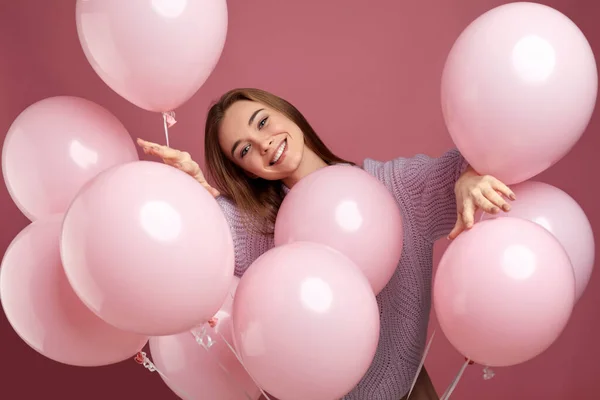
(145,143)
(482,202)
(458,228)
(158,150)
(192,168)
(502,188)
(215,192)
(148,147)
(211,190)
(166,153)
(493,196)
(468,213)
(189,167)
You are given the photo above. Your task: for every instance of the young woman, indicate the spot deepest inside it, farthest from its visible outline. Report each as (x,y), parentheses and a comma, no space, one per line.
(258,146)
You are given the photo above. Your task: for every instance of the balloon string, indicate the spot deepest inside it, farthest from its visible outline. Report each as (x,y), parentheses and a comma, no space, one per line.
(241,362)
(168,121)
(142,359)
(414,382)
(205,340)
(452,386)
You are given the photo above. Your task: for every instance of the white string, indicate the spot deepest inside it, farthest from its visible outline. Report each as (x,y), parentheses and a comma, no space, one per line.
(207,345)
(149,365)
(241,362)
(166,126)
(454,383)
(234,381)
(414,382)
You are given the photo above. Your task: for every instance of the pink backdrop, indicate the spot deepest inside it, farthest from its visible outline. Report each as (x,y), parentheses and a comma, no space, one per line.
(367,75)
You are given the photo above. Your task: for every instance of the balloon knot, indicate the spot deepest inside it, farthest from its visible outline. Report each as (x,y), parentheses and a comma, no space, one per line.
(202,337)
(213,322)
(471,362)
(140,357)
(488,373)
(169,117)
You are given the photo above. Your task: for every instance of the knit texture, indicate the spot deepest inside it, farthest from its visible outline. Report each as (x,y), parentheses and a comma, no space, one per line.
(424,190)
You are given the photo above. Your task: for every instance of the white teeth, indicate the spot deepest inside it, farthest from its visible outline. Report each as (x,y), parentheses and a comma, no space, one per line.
(279,152)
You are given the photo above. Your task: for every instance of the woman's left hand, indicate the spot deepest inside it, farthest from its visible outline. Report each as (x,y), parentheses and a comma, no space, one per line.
(474,191)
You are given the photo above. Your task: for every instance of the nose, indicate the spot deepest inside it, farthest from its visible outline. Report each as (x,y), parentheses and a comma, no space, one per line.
(265,145)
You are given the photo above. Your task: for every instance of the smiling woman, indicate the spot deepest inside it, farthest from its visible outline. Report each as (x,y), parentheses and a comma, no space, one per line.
(253,134)
(258,146)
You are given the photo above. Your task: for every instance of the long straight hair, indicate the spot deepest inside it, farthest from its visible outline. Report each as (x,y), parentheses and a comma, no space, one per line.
(257,199)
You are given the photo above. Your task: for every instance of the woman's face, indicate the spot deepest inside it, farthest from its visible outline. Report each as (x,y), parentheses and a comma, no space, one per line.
(262,141)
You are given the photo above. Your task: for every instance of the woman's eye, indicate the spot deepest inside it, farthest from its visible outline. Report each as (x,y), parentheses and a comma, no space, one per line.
(262,122)
(245,150)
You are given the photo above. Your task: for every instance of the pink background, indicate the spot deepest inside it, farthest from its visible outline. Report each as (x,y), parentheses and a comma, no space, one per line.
(367,75)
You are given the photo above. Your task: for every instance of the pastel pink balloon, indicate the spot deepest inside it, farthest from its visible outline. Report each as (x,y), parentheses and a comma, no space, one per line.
(562,216)
(194,372)
(518,90)
(148,249)
(349,210)
(44,311)
(55,146)
(155,54)
(504,291)
(306,322)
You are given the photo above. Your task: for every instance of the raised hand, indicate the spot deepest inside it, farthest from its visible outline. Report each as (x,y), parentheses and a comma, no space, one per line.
(474,191)
(178,159)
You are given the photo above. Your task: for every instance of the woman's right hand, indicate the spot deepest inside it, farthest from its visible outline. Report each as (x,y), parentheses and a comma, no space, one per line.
(178,159)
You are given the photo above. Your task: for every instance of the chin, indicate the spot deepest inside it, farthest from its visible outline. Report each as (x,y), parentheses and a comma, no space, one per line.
(277,175)
(293,161)
(282,171)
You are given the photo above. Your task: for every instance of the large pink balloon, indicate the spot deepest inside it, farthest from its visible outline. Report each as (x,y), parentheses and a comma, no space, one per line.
(192,371)
(349,210)
(560,214)
(45,312)
(504,291)
(306,322)
(148,249)
(156,54)
(55,146)
(518,90)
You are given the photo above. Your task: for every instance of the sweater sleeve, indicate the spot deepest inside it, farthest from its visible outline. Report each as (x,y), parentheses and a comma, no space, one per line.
(426,185)
(248,244)
(238,233)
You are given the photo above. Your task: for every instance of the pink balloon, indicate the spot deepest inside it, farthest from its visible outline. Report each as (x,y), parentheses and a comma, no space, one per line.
(54,147)
(194,372)
(156,54)
(349,210)
(148,249)
(45,312)
(306,322)
(504,291)
(518,90)
(560,214)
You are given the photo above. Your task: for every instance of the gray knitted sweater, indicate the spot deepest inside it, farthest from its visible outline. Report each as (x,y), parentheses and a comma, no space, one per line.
(424,189)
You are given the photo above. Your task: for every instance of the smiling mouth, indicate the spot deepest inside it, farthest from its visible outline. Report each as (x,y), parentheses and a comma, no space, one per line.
(279,152)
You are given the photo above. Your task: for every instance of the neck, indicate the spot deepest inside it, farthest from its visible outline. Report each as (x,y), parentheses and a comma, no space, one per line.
(309,164)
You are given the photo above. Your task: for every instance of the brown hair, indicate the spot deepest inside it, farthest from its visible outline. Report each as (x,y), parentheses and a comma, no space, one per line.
(258,199)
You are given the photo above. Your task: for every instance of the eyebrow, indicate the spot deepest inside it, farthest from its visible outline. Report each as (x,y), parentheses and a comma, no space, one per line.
(254,116)
(235,145)
(237,142)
